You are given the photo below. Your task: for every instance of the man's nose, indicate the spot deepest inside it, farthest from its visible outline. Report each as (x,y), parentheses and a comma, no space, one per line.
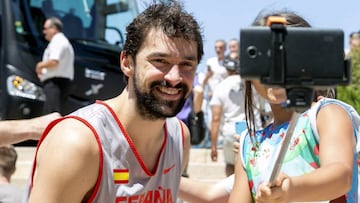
(173,76)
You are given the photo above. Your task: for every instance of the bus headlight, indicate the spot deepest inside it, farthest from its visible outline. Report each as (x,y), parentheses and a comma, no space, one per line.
(20,87)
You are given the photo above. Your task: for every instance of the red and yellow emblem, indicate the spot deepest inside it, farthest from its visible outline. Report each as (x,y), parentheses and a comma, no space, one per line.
(121,176)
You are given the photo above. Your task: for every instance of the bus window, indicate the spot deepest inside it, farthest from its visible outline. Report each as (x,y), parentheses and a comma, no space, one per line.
(88,19)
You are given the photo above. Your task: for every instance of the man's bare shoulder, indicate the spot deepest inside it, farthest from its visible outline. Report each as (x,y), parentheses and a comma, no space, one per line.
(70,134)
(67,163)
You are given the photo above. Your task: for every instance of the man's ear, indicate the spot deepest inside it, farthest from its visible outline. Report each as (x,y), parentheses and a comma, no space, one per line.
(126,64)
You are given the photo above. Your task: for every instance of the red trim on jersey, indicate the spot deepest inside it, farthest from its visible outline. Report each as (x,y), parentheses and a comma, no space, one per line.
(46,132)
(182,132)
(131,144)
(98,181)
(43,135)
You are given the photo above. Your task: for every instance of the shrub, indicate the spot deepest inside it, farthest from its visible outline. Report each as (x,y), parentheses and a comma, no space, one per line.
(351,93)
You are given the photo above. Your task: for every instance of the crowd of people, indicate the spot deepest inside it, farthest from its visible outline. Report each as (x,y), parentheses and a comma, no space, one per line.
(135,146)
(223,105)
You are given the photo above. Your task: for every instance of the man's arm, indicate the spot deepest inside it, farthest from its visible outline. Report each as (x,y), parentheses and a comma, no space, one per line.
(208,75)
(67,164)
(45,64)
(14,131)
(201,192)
(214,129)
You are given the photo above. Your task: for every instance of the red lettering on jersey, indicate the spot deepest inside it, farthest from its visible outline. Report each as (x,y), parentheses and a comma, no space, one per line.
(148,197)
(133,199)
(120,199)
(153,196)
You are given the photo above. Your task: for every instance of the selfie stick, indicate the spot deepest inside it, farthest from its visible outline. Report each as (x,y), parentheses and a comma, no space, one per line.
(276,167)
(277,76)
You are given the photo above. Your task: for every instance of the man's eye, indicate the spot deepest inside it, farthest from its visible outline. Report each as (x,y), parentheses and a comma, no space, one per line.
(162,61)
(187,64)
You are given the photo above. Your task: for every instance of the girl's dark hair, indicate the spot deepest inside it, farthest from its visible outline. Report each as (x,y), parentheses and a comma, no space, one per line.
(292,20)
(169,17)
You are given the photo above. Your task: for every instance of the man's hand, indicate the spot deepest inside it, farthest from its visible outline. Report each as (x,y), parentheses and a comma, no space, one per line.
(214,154)
(38,69)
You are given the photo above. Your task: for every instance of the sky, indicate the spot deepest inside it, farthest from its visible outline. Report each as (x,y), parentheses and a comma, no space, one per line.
(224,19)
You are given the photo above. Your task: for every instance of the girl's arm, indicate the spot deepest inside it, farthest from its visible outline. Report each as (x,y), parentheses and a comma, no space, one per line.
(241,191)
(337,144)
(334,177)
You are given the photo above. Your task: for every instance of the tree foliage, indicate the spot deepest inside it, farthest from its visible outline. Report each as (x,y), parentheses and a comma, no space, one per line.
(351,93)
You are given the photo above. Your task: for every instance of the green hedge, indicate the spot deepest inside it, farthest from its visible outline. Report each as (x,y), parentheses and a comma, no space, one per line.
(351,93)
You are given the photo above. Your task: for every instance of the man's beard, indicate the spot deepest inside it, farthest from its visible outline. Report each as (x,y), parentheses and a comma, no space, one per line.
(153,108)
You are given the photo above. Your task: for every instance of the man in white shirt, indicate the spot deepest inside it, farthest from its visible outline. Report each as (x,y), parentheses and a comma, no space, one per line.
(56,70)
(228,108)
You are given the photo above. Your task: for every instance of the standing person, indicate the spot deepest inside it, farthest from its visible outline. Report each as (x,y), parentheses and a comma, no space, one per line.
(197,99)
(14,131)
(131,147)
(234,49)
(354,41)
(56,70)
(314,169)
(227,108)
(192,103)
(9,193)
(215,73)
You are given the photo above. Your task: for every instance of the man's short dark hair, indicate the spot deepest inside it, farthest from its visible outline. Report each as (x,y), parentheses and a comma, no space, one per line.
(169,17)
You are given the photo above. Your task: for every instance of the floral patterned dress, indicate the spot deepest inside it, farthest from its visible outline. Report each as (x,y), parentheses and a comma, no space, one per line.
(301,157)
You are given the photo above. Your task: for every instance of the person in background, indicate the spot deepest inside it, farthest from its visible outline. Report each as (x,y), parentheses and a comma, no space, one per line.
(197,99)
(15,131)
(131,147)
(9,193)
(234,48)
(192,103)
(56,70)
(354,40)
(47,7)
(215,73)
(227,108)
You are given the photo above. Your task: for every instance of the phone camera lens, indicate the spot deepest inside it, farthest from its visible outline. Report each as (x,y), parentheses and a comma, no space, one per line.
(252,51)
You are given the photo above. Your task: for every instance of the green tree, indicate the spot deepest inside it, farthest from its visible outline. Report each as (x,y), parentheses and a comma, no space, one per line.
(351,93)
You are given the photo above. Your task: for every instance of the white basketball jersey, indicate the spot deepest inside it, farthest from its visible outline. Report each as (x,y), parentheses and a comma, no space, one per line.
(123,176)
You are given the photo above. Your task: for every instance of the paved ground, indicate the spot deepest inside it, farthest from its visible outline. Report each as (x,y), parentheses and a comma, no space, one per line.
(200,166)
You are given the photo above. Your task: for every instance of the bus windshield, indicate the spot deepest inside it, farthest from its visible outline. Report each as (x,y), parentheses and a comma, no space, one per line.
(95,20)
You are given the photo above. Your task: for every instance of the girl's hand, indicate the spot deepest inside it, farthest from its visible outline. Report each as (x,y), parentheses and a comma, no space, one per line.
(236,144)
(279,193)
